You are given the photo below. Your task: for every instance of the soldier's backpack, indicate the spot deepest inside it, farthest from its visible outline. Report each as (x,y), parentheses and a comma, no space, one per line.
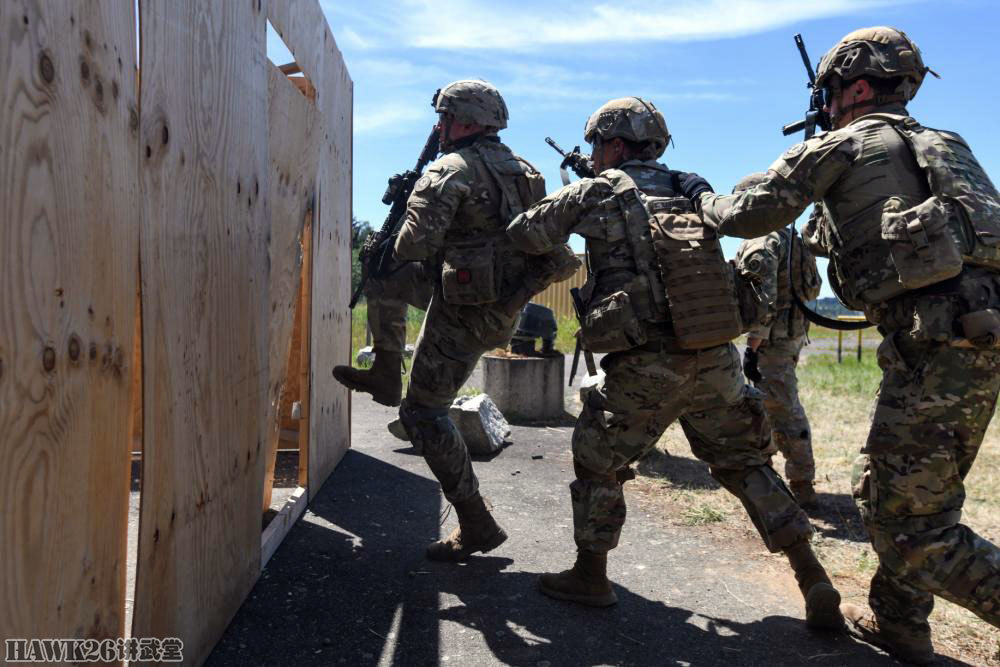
(696,279)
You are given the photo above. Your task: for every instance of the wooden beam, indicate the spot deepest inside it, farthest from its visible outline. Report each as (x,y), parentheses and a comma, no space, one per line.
(281,524)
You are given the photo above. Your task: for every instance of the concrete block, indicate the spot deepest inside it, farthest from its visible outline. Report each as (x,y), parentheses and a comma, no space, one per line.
(481,423)
(526,388)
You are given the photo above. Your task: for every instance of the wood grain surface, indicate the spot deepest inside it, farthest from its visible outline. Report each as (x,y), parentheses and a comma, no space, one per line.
(293,144)
(204,187)
(68,248)
(301,25)
(330,422)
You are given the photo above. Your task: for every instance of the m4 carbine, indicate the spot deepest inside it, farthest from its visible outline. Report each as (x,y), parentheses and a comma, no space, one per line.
(376,253)
(815,115)
(575,160)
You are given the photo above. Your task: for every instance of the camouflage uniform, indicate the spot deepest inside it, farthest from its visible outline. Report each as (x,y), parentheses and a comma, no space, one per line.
(458,203)
(648,388)
(935,400)
(387,298)
(782,340)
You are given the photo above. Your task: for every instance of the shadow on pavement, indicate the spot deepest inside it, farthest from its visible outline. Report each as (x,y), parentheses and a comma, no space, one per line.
(523,627)
(350,585)
(838,517)
(343,580)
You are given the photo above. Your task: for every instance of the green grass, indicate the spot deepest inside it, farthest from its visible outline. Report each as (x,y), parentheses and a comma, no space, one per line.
(850,377)
(702,515)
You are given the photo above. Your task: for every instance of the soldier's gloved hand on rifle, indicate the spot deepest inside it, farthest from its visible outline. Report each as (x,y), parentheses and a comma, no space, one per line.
(750,369)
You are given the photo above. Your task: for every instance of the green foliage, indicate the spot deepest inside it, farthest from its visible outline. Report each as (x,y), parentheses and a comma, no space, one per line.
(359,232)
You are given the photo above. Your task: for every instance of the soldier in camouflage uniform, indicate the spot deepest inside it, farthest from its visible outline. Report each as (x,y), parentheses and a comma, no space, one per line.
(911,224)
(773,347)
(652,377)
(473,285)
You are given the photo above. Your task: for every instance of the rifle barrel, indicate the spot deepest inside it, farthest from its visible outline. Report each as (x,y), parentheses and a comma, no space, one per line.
(805,58)
(551,142)
(792,128)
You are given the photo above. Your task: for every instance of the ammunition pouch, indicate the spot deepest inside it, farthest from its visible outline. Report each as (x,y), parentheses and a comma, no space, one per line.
(921,242)
(754,308)
(611,325)
(470,275)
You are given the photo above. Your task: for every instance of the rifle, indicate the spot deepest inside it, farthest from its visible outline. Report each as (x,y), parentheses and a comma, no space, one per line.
(815,116)
(588,356)
(376,253)
(575,160)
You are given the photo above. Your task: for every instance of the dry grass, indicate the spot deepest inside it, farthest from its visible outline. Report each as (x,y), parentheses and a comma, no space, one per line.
(838,399)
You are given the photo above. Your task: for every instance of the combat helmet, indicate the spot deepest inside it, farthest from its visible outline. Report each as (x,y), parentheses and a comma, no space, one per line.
(472,101)
(880,53)
(631,118)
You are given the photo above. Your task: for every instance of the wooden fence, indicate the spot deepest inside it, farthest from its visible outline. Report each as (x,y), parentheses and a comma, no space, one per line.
(192,186)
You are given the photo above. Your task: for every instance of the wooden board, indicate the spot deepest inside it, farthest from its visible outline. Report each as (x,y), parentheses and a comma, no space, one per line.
(204,187)
(303,28)
(68,247)
(330,426)
(281,525)
(301,25)
(293,123)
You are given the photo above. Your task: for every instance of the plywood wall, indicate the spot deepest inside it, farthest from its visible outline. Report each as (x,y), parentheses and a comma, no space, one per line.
(302,27)
(68,243)
(206,308)
(293,124)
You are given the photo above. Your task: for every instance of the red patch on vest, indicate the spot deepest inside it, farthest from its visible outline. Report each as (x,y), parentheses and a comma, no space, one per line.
(464,276)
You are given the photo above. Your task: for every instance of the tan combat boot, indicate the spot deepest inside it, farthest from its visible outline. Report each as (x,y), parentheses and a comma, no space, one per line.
(910,647)
(805,495)
(477,531)
(822,599)
(383,380)
(586,583)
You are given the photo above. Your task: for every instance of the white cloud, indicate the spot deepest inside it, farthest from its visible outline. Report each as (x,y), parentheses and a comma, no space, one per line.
(392,120)
(520,26)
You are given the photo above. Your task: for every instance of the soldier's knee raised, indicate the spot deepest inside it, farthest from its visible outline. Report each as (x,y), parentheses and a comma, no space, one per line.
(429,428)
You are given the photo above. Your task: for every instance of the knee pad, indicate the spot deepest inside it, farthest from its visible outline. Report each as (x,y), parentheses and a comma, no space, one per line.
(427,427)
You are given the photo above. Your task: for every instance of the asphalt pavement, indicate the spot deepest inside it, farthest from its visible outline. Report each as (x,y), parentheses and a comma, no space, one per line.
(350,584)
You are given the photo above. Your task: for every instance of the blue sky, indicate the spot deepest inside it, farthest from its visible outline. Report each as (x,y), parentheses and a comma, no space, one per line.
(724,73)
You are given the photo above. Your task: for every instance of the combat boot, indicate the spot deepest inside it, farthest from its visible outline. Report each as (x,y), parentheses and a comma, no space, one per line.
(586,582)
(908,646)
(477,531)
(383,380)
(822,599)
(805,495)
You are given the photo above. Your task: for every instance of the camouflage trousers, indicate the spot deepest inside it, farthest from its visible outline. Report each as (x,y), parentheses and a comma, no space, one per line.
(643,392)
(933,407)
(451,341)
(790,431)
(387,298)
